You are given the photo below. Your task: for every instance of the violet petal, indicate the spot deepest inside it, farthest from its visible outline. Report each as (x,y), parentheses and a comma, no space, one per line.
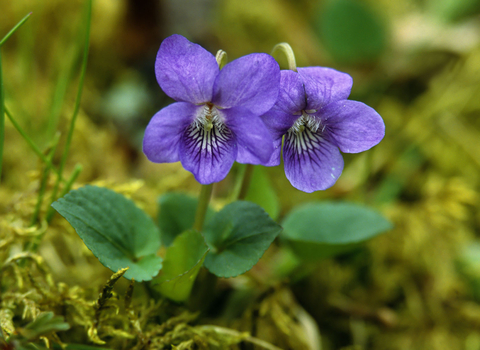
(353,126)
(250,81)
(291,97)
(209,155)
(185,71)
(324,85)
(164,131)
(275,157)
(278,122)
(255,143)
(311,162)
(287,109)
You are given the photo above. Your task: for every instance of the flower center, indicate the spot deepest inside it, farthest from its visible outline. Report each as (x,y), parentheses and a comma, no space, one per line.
(305,135)
(209,118)
(208,136)
(306,121)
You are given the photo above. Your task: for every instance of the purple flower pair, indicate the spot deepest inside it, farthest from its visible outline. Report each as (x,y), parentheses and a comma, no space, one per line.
(217,117)
(242,112)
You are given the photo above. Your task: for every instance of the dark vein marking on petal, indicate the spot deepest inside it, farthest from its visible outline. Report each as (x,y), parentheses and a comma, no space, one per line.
(303,144)
(207,143)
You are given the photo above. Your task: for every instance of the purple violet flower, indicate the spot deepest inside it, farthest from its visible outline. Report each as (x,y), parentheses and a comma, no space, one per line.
(317,120)
(216,119)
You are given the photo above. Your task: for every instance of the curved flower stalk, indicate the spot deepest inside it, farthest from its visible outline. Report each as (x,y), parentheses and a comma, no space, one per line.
(216,119)
(318,122)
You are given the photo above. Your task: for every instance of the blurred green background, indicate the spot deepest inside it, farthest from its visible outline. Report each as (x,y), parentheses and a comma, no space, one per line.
(417,62)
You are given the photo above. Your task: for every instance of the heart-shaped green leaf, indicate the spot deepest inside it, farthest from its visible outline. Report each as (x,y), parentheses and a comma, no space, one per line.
(117,232)
(176,215)
(237,236)
(183,261)
(318,230)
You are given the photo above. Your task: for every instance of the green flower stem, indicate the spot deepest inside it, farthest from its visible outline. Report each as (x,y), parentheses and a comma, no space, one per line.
(2,117)
(238,181)
(247,178)
(14,29)
(203,293)
(88,16)
(288,51)
(221,58)
(203,200)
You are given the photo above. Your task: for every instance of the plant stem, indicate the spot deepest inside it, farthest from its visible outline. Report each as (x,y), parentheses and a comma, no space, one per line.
(247,178)
(32,144)
(88,15)
(18,25)
(41,193)
(76,171)
(2,91)
(203,200)
(66,71)
(44,180)
(288,51)
(221,58)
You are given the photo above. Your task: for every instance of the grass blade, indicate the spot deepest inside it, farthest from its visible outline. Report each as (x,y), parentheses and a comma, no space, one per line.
(30,142)
(65,74)
(88,21)
(68,185)
(44,180)
(2,91)
(14,29)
